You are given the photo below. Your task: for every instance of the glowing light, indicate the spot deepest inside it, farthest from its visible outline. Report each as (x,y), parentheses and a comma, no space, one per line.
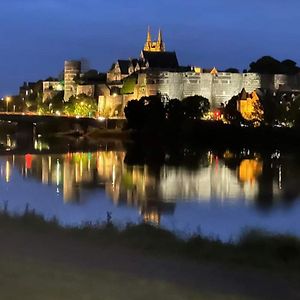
(114,175)
(28,161)
(7,171)
(57,172)
(280,178)
(250,170)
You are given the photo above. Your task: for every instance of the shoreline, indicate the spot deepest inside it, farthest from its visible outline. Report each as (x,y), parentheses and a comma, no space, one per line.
(140,263)
(278,251)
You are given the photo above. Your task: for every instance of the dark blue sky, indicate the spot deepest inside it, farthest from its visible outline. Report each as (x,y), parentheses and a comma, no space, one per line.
(38,35)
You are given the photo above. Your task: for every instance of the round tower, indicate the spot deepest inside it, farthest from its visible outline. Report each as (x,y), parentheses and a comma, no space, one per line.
(72,69)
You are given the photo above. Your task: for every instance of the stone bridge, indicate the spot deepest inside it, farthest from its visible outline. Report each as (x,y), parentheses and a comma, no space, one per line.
(26,125)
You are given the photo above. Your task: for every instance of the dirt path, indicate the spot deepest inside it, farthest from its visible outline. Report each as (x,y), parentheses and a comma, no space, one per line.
(83,255)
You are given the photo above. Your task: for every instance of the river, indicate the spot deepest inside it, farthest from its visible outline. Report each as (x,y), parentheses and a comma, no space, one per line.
(217,193)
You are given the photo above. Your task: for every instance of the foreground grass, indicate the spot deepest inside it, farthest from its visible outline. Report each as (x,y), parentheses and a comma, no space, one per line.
(24,280)
(254,249)
(41,260)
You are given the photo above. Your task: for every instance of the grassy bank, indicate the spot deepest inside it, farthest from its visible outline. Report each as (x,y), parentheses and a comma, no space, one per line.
(41,260)
(254,248)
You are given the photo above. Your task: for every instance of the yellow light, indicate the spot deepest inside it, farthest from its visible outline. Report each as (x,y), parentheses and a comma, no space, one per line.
(7,171)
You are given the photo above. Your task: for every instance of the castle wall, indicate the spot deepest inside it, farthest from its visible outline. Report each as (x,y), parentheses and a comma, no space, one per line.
(287,83)
(88,90)
(216,88)
(51,88)
(193,84)
(224,87)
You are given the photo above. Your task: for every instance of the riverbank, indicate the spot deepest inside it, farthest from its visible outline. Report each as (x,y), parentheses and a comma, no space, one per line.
(46,261)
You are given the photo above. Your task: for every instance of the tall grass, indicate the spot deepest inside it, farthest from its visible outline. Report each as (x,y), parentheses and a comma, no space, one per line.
(254,248)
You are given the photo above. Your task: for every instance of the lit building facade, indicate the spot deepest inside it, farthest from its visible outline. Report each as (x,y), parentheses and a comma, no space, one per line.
(157,71)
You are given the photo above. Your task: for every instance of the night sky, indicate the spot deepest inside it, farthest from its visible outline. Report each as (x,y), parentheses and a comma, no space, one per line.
(38,35)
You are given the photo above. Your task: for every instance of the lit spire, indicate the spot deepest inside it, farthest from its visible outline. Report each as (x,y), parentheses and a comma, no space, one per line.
(149,35)
(160,41)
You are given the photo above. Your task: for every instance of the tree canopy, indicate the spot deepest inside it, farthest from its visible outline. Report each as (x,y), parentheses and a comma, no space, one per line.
(152,113)
(195,107)
(82,105)
(270,65)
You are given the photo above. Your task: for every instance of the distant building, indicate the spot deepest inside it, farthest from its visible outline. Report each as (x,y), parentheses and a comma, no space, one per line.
(31,90)
(71,70)
(51,87)
(157,71)
(249,106)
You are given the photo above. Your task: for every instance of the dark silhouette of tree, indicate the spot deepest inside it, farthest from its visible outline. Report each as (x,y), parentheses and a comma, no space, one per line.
(293,113)
(273,109)
(195,107)
(155,113)
(175,113)
(231,113)
(266,65)
(135,114)
(289,67)
(270,65)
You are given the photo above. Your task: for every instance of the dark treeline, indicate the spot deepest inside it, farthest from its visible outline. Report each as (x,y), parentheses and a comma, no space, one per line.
(270,65)
(179,122)
(153,115)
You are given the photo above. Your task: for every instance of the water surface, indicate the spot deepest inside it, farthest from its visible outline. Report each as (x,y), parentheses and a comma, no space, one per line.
(216,193)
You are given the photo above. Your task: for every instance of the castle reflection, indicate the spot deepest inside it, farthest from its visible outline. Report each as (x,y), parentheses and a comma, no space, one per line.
(153,191)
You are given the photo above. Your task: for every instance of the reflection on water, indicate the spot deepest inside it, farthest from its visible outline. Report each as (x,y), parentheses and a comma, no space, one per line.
(215,182)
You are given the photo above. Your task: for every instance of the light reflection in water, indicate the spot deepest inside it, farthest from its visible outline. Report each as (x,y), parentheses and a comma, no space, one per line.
(152,193)
(158,192)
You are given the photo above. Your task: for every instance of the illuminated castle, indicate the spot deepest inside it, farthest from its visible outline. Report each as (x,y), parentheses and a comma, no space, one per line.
(157,71)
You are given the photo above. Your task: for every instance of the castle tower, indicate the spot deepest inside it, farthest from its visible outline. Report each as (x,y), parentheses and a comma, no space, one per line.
(72,69)
(156,46)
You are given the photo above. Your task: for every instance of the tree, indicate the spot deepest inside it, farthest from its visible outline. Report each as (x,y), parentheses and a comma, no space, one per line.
(155,113)
(147,113)
(231,113)
(135,114)
(266,65)
(82,105)
(293,114)
(195,107)
(174,109)
(270,65)
(272,108)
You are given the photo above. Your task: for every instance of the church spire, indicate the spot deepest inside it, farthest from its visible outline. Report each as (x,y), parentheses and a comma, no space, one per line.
(159,40)
(160,43)
(149,40)
(155,46)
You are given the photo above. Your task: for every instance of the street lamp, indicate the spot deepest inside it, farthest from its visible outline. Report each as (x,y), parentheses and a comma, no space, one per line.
(7,100)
